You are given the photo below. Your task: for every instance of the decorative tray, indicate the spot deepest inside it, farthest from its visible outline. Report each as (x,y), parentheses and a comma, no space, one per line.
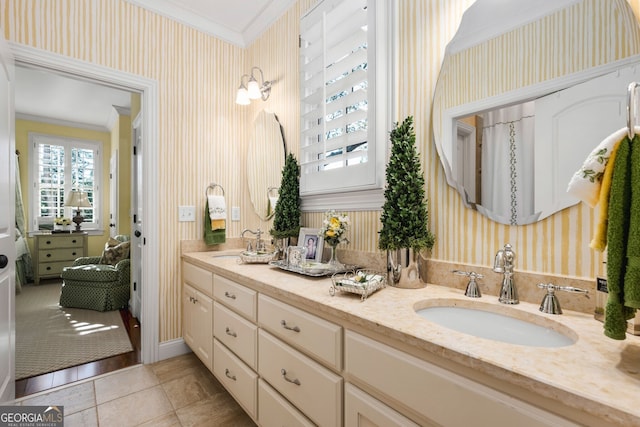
(361,282)
(256,257)
(314,269)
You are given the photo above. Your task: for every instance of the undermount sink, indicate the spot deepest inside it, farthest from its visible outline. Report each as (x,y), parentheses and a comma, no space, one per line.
(479,320)
(225,255)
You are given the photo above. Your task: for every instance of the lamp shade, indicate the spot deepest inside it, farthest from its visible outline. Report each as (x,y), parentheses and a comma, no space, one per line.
(253,88)
(242,97)
(78,199)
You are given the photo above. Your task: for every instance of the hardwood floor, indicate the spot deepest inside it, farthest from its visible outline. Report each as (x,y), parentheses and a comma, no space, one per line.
(43,382)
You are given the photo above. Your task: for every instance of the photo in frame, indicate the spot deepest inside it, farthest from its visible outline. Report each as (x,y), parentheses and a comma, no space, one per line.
(309,239)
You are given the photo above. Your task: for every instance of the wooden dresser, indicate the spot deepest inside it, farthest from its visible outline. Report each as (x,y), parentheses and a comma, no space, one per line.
(53,252)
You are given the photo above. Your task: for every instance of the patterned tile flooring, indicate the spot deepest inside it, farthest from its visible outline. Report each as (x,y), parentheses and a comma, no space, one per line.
(173,392)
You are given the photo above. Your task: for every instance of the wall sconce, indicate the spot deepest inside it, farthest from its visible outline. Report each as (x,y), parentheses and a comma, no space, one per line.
(253,90)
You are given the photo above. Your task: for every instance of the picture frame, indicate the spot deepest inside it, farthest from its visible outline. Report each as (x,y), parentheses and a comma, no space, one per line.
(313,242)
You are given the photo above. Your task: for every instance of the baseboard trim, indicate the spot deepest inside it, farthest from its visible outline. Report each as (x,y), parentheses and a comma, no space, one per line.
(173,348)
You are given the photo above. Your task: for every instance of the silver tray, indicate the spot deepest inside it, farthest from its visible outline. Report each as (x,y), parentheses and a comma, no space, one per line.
(361,282)
(313,269)
(256,258)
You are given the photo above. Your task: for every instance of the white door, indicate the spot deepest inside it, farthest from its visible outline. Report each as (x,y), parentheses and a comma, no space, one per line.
(7,225)
(113,194)
(136,227)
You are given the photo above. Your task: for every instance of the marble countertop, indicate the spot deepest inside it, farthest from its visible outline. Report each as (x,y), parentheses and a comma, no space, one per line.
(596,375)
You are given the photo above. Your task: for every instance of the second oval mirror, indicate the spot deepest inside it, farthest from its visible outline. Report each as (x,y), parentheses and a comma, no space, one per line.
(265,160)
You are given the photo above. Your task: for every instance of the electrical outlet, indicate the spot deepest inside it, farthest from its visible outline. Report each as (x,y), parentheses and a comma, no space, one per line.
(235,213)
(186,213)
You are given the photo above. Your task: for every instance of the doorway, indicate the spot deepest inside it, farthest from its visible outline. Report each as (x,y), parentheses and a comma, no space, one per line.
(149,249)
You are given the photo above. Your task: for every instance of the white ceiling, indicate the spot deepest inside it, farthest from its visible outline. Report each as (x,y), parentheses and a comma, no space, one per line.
(49,97)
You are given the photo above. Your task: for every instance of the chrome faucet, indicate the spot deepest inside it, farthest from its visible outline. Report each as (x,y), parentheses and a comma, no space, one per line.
(473,290)
(260,246)
(503,263)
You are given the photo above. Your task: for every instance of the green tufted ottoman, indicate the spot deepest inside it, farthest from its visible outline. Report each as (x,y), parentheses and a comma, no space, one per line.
(99,287)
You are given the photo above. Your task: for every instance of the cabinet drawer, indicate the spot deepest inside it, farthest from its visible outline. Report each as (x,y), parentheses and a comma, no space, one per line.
(312,388)
(237,377)
(435,392)
(274,411)
(360,410)
(316,336)
(198,277)
(238,334)
(52,268)
(64,254)
(239,298)
(70,241)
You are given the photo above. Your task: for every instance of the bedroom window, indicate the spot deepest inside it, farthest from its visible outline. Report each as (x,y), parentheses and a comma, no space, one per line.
(57,166)
(346,64)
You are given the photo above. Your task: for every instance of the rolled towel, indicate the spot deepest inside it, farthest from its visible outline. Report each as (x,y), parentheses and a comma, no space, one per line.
(586,182)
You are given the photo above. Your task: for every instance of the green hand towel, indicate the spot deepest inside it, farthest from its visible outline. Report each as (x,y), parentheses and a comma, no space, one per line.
(632,276)
(212,237)
(615,324)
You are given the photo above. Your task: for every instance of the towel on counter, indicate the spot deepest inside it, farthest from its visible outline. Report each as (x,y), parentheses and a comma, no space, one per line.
(599,241)
(586,182)
(620,207)
(215,231)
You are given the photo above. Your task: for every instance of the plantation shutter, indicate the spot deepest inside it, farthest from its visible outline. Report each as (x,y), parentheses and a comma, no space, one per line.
(337,52)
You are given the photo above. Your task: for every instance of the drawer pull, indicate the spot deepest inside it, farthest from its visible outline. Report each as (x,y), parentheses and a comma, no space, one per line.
(229,295)
(284,375)
(231,333)
(73,253)
(48,242)
(48,268)
(48,255)
(228,374)
(74,241)
(291,328)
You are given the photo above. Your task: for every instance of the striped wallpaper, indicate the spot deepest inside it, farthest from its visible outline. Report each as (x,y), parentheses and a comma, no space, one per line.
(203,134)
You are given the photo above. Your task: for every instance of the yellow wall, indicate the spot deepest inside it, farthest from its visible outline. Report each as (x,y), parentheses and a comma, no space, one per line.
(23,127)
(203,133)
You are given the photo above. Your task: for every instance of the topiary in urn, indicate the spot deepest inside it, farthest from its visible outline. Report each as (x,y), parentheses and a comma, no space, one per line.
(405,217)
(286,222)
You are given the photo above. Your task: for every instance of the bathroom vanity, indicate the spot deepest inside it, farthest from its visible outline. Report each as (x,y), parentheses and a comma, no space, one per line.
(290,353)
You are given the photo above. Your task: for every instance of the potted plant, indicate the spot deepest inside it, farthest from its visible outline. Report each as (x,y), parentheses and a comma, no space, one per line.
(405,217)
(286,222)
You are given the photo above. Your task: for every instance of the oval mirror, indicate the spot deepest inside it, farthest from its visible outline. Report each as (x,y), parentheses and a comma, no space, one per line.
(265,160)
(521,102)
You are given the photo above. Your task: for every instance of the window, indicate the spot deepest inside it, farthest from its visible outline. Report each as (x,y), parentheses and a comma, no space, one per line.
(57,166)
(346,86)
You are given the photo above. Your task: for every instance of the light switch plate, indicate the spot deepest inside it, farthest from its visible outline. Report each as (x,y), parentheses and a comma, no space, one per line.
(186,213)
(235,213)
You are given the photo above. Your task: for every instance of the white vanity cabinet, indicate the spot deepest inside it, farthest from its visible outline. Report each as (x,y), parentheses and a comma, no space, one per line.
(362,410)
(435,394)
(197,312)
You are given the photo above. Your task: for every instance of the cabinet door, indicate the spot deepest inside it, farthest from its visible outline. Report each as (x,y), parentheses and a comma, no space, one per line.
(188,307)
(203,329)
(362,410)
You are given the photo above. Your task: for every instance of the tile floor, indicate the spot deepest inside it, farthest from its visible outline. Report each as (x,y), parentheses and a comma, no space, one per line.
(173,392)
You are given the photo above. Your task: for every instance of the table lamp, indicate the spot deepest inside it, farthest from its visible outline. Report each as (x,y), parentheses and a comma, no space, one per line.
(78,199)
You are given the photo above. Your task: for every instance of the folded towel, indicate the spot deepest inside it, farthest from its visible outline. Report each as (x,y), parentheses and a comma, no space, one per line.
(599,241)
(586,182)
(217,207)
(213,236)
(617,314)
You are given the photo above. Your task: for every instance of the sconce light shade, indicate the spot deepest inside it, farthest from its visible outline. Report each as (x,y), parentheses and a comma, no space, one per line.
(253,88)
(78,199)
(242,97)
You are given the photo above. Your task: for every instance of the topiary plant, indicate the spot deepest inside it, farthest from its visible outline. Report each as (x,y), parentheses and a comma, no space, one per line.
(286,221)
(405,218)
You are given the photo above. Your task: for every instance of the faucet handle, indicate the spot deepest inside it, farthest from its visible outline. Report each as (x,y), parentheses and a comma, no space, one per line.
(473,290)
(550,303)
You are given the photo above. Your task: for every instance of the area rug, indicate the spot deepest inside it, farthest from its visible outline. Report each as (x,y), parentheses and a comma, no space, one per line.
(50,337)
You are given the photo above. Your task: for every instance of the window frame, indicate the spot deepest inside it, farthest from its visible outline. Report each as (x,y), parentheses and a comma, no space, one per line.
(368,193)
(69,143)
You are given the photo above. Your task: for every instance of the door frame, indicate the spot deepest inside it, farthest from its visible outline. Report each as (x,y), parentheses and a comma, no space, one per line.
(40,59)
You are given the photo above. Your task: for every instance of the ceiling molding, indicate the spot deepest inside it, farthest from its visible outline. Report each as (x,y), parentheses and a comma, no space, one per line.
(261,21)
(58,122)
